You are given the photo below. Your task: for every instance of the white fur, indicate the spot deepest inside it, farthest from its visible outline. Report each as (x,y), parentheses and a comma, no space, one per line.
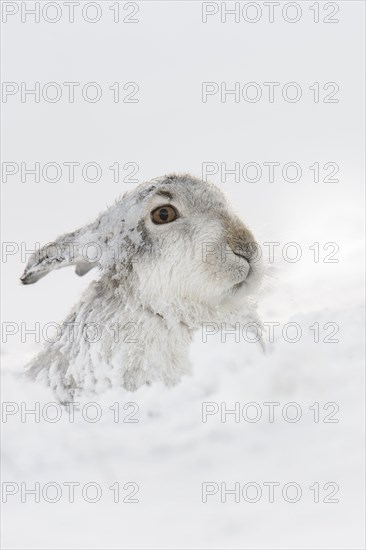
(155,282)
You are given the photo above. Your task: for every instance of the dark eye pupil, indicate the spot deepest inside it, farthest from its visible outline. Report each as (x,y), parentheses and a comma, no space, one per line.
(163,214)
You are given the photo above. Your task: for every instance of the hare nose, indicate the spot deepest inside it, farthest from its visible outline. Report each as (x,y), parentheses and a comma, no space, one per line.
(247,250)
(241,253)
(241,241)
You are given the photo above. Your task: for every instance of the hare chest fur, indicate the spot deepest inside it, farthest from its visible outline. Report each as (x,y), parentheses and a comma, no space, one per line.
(170,255)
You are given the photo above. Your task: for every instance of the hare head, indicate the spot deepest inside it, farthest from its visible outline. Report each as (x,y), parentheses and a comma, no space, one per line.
(176,240)
(171,248)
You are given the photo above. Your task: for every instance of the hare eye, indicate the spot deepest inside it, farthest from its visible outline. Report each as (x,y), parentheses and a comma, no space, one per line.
(164,214)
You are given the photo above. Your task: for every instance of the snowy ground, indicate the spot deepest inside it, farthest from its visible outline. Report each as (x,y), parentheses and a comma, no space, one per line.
(170,452)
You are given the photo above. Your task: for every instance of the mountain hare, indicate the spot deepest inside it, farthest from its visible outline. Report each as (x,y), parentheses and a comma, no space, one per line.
(171,255)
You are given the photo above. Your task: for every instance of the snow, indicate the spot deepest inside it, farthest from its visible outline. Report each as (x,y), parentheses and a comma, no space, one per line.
(170,452)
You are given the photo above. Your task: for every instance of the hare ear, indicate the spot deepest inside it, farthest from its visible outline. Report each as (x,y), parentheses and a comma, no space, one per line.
(84,267)
(66,250)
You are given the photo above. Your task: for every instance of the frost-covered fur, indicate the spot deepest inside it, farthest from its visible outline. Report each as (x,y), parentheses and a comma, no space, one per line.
(157,284)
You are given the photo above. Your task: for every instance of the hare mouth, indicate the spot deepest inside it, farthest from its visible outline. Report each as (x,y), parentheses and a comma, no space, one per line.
(244,282)
(242,256)
(238,286)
